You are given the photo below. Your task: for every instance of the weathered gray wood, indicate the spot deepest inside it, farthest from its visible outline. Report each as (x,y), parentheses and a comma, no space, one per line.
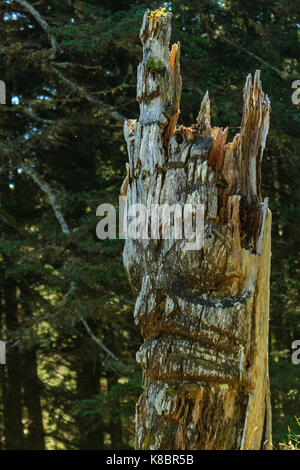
(204,314)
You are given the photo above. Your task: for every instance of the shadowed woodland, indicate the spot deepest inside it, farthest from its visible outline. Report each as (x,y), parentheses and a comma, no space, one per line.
(66,309)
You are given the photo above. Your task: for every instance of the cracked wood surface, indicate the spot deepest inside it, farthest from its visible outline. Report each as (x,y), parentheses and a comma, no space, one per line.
(203,314)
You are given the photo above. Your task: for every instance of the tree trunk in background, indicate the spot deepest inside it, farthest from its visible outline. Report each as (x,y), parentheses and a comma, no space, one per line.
(115,422)
(203,313)
(90,428)
(2,377)
(35,440)
(32,400)
(12,393)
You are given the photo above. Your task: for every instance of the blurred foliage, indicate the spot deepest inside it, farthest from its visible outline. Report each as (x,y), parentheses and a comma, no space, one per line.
(293,437)
(59,389)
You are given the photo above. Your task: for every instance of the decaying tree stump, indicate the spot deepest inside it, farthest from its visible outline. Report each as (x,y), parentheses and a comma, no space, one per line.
(203,313)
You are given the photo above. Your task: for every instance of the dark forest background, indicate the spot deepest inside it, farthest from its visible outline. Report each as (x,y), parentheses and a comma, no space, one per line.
(66,310)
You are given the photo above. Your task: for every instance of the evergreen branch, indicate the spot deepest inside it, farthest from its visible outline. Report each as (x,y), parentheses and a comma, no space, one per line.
(282,74)
(75,87)
(65,229)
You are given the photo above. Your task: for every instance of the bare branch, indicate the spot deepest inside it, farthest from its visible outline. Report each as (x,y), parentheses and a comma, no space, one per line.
(3,50)
(79,89)
(48,317)
(122,299)
(74,86)
(43,186)
(73,64)
(48,191)
(42,22)
(97,340)
(30,112)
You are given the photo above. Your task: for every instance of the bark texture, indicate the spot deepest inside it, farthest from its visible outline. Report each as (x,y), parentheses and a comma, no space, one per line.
(203,314)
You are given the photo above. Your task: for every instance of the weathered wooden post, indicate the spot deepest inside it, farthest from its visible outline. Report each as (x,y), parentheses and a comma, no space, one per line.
(203,313)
